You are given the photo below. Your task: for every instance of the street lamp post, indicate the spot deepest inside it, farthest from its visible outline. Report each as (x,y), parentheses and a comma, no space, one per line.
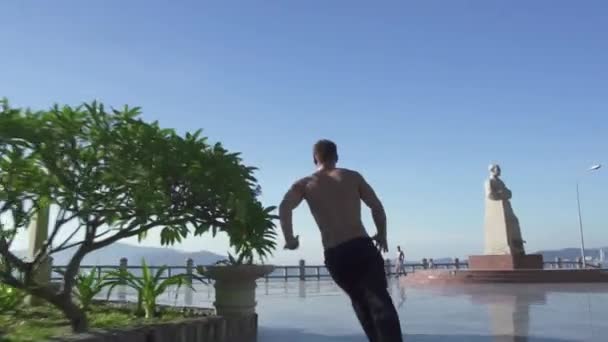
(580,217)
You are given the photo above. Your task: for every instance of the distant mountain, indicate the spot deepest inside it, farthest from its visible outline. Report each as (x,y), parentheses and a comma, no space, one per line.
(154,256)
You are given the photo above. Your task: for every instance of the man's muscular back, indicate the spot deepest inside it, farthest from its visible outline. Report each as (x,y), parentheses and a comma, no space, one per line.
(334,198)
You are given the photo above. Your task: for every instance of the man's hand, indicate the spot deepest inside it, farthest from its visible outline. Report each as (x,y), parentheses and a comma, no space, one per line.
(381,243)
(292,243)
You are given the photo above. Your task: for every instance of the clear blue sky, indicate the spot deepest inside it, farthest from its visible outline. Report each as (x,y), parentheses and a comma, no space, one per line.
(420,97)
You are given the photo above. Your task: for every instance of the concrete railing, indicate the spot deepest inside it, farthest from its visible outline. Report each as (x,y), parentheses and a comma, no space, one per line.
(302,271)
(569,264)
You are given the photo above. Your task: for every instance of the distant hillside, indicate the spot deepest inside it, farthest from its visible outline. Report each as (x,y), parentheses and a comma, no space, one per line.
(154,256)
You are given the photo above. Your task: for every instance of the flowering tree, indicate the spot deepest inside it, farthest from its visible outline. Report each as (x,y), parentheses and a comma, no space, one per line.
(113,176)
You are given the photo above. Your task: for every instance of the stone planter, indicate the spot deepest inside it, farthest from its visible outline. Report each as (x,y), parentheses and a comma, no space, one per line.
(235,287)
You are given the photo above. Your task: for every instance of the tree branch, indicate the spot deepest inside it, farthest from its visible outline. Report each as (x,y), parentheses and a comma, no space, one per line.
(39,291)
(104,233)
(86,246)
(63,246)
(71,270)
(12,258)
(89,235)
(59,222)
(10,280)
(130,231)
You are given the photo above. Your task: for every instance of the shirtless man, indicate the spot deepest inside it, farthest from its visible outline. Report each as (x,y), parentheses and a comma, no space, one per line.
(334,196)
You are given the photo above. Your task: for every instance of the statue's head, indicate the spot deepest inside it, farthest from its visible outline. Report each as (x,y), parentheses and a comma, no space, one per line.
(494,170)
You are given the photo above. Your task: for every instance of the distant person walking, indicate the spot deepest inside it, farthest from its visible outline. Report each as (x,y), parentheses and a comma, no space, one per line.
(353,259)
(400,264)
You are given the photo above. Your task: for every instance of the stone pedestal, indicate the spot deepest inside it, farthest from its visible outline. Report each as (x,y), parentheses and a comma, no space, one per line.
(502,231)
(506,262)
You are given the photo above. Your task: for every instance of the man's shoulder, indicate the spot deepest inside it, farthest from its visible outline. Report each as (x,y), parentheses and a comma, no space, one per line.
(349,172)
(303,182)
(299,186)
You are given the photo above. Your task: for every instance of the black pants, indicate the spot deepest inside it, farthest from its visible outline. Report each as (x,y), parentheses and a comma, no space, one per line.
(357,267)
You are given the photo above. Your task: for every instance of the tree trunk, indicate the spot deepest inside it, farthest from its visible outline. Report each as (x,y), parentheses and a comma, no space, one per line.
(62,300)
(77,316)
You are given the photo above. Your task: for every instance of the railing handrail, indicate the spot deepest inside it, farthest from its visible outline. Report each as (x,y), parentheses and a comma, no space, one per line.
(275,265)
(463,263)
(303,273)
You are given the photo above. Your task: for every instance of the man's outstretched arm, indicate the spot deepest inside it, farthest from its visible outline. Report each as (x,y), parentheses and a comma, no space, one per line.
(291,200)
(369,197)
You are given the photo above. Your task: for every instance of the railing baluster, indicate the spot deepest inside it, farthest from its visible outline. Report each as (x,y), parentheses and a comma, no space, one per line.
(302,270)
(299,271)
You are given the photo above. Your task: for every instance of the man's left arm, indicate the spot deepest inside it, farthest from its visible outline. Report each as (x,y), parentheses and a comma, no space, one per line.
(291,200)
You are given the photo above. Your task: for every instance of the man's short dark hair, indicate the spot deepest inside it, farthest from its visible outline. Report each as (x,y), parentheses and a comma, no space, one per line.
(325,151)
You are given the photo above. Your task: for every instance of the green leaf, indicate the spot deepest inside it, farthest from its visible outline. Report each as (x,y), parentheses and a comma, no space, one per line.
(10,298)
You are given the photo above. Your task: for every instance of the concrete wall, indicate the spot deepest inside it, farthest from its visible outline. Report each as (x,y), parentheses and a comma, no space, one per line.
(204,329)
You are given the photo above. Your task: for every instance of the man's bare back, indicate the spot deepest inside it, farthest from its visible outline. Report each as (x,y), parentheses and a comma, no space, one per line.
(334,197)
(352,259)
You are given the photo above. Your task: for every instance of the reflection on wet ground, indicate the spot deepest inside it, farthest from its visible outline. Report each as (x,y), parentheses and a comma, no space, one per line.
(317,311)
(476,313)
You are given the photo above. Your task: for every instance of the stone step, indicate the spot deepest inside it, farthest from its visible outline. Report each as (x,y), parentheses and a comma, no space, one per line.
(515,276)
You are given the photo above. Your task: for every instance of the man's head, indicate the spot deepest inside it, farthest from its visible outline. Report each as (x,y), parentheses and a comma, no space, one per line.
(325,152)
(399,248)
(495,170)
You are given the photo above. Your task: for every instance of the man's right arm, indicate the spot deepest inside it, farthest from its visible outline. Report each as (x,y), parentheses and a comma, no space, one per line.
(369,197)
(290,201)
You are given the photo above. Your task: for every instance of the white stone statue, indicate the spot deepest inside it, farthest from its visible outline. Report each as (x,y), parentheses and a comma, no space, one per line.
(502,231)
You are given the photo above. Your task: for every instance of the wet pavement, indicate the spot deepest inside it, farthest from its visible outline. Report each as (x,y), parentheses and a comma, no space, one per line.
(318,311)
(315,310)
